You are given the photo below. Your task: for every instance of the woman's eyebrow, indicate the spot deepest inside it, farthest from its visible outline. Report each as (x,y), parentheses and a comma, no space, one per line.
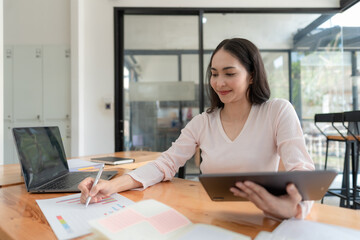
(225,68)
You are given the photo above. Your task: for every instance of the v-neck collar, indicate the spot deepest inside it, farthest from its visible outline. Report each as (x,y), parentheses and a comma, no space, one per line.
(221,128)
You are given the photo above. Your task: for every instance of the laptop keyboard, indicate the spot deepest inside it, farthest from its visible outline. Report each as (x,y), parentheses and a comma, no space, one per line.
(68,180)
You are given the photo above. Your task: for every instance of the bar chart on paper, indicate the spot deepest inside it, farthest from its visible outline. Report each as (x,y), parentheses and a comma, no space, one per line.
(69,218)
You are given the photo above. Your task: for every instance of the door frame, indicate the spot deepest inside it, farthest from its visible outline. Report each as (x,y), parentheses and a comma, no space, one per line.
(119,14)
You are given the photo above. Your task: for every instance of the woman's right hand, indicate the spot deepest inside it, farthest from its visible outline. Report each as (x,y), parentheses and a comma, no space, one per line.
(100,191)
(105,188)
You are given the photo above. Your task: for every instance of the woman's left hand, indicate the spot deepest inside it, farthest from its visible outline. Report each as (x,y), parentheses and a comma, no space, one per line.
(283,207)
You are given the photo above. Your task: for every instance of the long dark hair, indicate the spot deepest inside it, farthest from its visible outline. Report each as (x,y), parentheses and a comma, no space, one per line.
(249,56)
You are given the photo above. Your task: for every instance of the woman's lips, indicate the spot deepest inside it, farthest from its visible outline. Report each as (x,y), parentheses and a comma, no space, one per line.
(224,92)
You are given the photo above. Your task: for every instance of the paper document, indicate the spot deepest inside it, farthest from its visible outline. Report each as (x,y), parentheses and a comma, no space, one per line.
(78,165)
(294,229)
(69,218)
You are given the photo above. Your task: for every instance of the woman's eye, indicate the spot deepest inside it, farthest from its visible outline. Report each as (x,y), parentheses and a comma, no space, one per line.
(230,74)
(214,74)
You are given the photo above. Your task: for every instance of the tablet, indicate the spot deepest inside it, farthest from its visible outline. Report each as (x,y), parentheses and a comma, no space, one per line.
(113,160)
(312,185)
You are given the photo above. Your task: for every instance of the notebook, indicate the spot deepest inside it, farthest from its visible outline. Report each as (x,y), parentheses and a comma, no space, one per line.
(113,160)
(43,161)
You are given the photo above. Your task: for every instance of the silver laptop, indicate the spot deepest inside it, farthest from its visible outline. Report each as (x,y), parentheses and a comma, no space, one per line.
(43,161)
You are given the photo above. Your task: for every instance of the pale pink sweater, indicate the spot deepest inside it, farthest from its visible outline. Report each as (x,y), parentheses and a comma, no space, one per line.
(272,131)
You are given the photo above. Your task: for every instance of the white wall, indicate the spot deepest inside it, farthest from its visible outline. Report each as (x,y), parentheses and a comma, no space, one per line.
(77,80)
(1,86)
(228,3)
(96,72)
(37,22)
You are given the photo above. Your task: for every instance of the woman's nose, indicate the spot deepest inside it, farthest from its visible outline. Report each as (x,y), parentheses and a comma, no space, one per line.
(220,82)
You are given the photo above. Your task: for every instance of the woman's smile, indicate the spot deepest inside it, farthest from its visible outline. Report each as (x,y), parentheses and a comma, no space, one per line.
(224,92)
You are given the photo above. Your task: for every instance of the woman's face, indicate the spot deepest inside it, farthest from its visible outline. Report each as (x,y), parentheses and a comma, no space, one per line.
(229,78)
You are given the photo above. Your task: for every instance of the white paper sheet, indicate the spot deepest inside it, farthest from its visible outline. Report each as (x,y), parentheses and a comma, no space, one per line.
(205,232)
(294,229)
(69,218)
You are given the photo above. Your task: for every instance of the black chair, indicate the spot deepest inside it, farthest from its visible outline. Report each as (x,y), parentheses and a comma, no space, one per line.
(182,172)
(336,120)
(332,119)
(351,121)
(357,202)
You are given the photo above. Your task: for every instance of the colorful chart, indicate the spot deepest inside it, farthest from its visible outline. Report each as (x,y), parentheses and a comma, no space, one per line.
(113,208)
(64,224)
(107,200)
(75,200)
(68,217)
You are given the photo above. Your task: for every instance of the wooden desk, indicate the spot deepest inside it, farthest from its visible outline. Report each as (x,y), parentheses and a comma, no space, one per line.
(21,218)
(10,174)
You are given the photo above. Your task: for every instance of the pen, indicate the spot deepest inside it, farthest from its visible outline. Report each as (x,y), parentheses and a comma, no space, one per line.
(94,184)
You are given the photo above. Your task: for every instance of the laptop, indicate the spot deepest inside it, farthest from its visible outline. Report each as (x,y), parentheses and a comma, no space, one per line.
(312,185)
(43,161)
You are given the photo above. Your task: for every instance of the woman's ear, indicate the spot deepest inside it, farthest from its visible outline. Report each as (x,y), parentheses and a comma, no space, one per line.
(251,80)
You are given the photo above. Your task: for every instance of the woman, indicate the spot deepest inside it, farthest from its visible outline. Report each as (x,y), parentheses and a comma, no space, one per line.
(242,131)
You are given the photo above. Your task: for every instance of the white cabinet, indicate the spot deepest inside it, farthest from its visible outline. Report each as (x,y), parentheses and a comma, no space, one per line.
(27,83)
(10,155)
(8,86)
(36,92)
(56,75)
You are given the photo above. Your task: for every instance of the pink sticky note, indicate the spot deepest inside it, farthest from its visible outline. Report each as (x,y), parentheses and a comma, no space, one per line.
(168,221)
(117,222)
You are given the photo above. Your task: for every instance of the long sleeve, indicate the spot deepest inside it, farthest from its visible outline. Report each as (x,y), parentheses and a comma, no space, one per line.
(166,166)
(292,148)
(290,140)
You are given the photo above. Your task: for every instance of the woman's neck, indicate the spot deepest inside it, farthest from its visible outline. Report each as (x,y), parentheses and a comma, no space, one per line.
(236,111)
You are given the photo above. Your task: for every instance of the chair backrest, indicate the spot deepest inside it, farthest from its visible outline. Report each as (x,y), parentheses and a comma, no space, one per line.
(352,116)
(331,118)
(324,117)
(351,121)
(338,117)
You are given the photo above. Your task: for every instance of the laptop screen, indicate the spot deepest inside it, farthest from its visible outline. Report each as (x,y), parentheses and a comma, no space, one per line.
(41,154)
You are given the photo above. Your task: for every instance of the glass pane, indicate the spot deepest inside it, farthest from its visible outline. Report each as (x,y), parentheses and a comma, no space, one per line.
(323,66)
(271,33)
(277,70)
(267,31)
(161,57)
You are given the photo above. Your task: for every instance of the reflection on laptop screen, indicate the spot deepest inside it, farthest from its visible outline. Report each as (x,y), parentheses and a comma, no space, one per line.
(41,154)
